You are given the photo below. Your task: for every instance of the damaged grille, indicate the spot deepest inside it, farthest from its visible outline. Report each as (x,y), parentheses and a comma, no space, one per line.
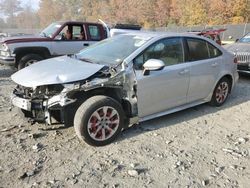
(49,90)
(40,92)
(23,92)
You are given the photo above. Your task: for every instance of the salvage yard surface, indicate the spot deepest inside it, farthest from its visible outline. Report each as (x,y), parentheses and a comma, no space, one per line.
(198,147)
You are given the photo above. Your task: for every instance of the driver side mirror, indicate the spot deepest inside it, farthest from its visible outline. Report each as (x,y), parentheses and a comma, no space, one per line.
(152,65)
(59,37)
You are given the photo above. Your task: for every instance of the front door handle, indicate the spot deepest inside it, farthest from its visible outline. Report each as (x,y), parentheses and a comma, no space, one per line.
(214,64)
(85,44)
(185,71)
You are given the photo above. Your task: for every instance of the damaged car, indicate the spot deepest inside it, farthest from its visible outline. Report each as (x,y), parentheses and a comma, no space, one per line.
(125,80)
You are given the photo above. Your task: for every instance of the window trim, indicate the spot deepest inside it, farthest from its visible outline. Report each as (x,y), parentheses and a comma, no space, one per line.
(99,32)
(194,38)
(183,50)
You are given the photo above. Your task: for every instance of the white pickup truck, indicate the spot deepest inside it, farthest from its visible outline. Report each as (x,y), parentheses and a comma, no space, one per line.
(21,51)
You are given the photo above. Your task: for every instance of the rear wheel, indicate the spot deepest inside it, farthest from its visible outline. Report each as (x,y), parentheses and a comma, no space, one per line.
(221,92)
(29,59)
(99,120)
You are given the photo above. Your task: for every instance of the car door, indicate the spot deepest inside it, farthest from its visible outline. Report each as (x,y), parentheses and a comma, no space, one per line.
(204,61)
(62,46)
(163,89)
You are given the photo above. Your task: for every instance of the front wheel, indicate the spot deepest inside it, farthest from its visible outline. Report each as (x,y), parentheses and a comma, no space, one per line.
(221,92)
(28,60)
(99,120)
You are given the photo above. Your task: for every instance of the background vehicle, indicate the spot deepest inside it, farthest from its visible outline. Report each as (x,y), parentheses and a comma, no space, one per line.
(21,51)
(213,34)
(124,80)
(241,49)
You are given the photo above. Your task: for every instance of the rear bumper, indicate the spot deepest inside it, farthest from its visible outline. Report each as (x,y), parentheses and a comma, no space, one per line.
(9,61)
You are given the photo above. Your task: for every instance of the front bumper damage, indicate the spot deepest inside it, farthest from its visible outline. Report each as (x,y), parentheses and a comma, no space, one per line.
(40,109)
(63,98)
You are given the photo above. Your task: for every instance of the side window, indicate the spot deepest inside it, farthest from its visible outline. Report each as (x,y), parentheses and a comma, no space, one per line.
(198,49)
(94,32)
(64,32)
(213,51)
(77,32)
(169,50)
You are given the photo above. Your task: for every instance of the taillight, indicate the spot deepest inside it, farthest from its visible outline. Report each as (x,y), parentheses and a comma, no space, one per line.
(235,60)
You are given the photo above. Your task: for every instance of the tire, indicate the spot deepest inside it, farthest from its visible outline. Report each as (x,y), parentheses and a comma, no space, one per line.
(28,60)
(109,125)
(221,92)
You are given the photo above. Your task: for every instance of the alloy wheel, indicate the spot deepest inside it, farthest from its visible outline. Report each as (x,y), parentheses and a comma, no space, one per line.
(222,92)
(103,123)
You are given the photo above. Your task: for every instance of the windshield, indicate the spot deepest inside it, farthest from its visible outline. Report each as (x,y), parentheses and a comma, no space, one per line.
(50,30)
(113,50)
(245,39)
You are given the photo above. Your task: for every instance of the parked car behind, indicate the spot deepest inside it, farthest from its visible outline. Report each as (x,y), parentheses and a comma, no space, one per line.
(21,51)
(241,49)
(124,80)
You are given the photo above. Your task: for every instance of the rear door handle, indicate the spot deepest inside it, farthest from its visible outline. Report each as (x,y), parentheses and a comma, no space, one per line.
(185,71)
(214,64)
(85,44)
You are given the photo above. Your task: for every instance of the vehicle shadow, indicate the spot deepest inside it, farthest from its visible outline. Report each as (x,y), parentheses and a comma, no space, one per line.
(239,95)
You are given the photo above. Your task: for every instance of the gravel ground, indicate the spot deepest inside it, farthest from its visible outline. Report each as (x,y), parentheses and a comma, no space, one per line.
(198,147)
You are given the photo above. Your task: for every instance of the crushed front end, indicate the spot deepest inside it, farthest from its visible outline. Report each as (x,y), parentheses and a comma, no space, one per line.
(41,103)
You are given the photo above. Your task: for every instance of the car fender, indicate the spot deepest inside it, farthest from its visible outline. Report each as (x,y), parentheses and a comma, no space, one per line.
(43,51)
(219,77)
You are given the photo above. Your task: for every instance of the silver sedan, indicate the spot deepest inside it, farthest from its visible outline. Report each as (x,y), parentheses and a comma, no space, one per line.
(124,80)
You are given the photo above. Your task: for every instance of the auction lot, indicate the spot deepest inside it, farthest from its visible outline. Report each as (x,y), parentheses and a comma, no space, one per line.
(198,147)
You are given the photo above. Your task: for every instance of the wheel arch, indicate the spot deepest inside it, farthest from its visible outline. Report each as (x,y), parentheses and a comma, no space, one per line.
(115,93)
(22,51)
(229,77)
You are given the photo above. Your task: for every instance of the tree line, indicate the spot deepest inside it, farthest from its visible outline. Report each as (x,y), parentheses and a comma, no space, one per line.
(147,13)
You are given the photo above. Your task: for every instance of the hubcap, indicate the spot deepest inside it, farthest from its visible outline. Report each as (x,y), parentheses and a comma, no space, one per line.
(222,92)
(103,123)
(28,63)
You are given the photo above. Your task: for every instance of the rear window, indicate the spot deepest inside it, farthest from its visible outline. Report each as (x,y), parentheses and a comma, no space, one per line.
(197,49)
(94,32)
(213,51)
(200,49)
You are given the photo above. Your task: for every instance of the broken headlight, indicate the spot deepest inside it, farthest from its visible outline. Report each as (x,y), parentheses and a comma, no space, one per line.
(49,90)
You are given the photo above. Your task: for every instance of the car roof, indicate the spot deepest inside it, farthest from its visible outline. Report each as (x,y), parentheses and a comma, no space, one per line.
(74,22)
(154,34)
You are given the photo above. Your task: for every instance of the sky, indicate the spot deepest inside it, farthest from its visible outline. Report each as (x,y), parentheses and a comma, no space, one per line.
(34,3)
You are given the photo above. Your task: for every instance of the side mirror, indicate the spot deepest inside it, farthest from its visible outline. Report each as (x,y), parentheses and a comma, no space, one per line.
(152,65)
(237,40)
(59,37)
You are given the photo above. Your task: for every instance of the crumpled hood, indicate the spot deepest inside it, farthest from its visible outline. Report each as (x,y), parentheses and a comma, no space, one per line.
(24,38)
(238,47)
(57,70)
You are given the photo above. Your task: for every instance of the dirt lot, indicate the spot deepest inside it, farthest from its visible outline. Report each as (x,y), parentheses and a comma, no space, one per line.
(198,147)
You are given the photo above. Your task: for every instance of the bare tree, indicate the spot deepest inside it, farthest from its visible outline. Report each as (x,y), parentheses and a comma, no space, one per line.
(10,8)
